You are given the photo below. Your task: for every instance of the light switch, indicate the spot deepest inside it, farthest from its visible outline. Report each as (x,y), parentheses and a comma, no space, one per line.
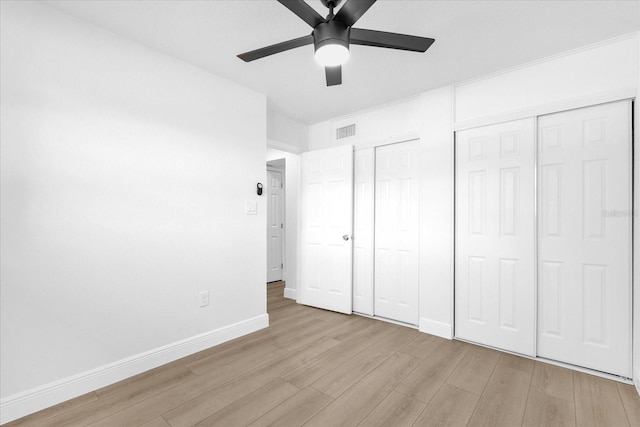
(251,208)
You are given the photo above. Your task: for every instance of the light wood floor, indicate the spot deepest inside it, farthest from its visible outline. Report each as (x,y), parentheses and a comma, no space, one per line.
(317,368)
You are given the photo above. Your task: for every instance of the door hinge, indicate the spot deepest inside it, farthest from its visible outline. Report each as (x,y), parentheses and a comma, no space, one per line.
(281,225)
(281,265)
(281,185)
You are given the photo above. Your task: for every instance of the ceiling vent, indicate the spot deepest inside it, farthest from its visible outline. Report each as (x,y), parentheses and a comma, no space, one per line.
(346,131)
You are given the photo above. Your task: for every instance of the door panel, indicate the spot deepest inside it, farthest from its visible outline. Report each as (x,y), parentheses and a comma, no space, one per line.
(275,226)
(327,216)
(584,311)
(495,236)
(363,210)
(397,232)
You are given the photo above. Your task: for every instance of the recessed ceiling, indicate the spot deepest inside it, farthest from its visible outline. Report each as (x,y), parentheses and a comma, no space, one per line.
(473,38)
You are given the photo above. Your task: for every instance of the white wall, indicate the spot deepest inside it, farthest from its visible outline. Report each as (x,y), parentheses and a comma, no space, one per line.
(436,214)
(600,73)
(292,198)
(594,74)
(117,209)
(285,133)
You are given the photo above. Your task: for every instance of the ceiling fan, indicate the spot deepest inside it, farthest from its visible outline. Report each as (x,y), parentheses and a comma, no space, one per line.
(331,36)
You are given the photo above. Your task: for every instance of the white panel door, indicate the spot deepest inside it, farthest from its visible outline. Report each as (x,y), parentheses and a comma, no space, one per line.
(584,223)
(275,225)
(495,236)
(363,213)
(326,228)
(397,232)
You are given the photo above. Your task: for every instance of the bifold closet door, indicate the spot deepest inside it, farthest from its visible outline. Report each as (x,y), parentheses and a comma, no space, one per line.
(397,232)
(584,268)
(363,215)
(495,236)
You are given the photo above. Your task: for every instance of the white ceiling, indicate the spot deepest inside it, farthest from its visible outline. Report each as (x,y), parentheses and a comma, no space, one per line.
(473,38)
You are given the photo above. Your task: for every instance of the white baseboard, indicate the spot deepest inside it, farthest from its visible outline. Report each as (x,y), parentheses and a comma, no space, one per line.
(438,329)
(290,293)
(30,401)
(636,380)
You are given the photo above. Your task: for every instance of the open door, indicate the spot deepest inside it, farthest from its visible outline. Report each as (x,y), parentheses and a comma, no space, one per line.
(326,228)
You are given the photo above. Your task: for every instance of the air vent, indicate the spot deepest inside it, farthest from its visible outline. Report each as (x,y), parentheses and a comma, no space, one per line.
(346,131)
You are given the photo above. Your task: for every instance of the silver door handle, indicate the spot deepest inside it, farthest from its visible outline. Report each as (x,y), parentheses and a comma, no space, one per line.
(346,237)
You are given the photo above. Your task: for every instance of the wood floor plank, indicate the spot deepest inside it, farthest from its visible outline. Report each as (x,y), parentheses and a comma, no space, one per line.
(118,400)
(451,406)
(248,355)
(427,378)
(54,411)
(204,404)
(140,412)
(304,376)
(356,403)
(474,370)
(546,410)
(553,380)
(516,362)
(295,411)
(295,340)
(395,410)
(254,405)
(157,422)
(598,402)
(344,376)
(346,331)
(503,401)
(422,346)
(631,403)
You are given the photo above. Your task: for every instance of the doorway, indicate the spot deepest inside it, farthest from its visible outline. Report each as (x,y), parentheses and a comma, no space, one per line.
(275,222)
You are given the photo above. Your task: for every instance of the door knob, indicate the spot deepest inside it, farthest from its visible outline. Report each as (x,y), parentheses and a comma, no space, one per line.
(346,237)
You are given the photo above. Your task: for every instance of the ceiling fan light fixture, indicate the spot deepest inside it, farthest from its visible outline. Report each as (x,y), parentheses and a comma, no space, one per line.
(332,54)
(331,43)
(332,36)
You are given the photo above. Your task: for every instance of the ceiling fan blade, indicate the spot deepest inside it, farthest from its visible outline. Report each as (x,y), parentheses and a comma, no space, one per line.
(389,40)
(276,48)
(334,75)
(304,11)
(352,10)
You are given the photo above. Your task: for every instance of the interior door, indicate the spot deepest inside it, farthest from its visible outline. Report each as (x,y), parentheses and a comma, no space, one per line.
(495,236)
(326,228)
(275,225)
(584,262)
(397,232)
(363,216)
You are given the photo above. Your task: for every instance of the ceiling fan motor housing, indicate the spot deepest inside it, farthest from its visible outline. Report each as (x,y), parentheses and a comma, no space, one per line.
(332,32)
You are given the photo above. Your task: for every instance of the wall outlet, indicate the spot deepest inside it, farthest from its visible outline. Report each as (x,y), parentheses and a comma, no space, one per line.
(204,298)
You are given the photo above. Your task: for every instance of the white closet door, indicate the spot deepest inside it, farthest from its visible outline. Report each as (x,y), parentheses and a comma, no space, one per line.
(584,270)
(275,225)
(495,236)
(397,232)
(326,228)
(363,192)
